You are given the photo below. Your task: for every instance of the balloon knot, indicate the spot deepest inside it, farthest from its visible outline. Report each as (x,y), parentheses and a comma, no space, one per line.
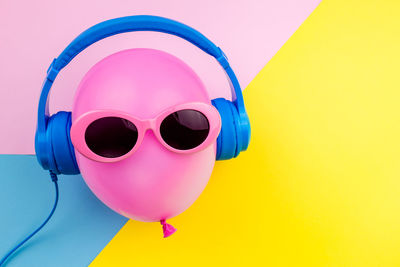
(167,228)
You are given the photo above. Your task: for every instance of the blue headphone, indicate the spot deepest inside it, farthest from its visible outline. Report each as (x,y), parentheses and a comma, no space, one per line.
(53,146)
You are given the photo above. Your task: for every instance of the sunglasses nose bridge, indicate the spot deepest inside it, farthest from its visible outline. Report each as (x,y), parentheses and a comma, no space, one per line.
(149,124)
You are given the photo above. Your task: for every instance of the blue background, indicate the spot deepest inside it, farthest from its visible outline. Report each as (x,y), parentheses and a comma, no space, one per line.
(79,229)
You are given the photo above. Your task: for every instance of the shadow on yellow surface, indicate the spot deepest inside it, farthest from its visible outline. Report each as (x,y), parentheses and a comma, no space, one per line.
(320,183)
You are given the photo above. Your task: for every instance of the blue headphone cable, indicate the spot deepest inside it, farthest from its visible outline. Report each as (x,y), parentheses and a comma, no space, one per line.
(54,179)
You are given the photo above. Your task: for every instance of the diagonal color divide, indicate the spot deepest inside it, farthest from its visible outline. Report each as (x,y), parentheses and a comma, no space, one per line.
(319,185)
(249,31)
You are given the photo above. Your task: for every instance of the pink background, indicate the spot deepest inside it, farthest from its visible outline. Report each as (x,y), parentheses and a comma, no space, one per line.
(34,32)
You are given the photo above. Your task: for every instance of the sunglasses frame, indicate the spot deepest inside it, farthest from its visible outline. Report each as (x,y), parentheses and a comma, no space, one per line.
(79,126)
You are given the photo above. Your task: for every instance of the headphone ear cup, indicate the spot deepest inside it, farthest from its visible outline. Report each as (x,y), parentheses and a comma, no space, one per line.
(62,148)
(227,139)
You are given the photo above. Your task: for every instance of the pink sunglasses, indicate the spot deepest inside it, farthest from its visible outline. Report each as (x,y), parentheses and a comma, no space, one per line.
(110,135)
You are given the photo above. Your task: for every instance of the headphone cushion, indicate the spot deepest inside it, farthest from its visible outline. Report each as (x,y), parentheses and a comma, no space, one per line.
(227,139)
(63,150)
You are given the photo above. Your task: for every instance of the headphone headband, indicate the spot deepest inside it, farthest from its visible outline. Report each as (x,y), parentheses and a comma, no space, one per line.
(130,24)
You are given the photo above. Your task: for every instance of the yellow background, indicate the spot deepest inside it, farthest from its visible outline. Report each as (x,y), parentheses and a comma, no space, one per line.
(320,183)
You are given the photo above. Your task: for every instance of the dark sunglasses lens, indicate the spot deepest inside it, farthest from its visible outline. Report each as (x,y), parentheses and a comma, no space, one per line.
(111,137)
(185,129)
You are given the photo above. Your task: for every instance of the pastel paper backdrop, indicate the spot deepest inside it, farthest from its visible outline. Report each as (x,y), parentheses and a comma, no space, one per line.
(34,32)
(319,185)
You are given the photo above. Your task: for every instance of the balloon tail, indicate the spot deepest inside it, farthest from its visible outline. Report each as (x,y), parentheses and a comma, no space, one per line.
(167,228)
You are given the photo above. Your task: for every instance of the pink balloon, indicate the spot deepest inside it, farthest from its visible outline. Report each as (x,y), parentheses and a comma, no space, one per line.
(154,183)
